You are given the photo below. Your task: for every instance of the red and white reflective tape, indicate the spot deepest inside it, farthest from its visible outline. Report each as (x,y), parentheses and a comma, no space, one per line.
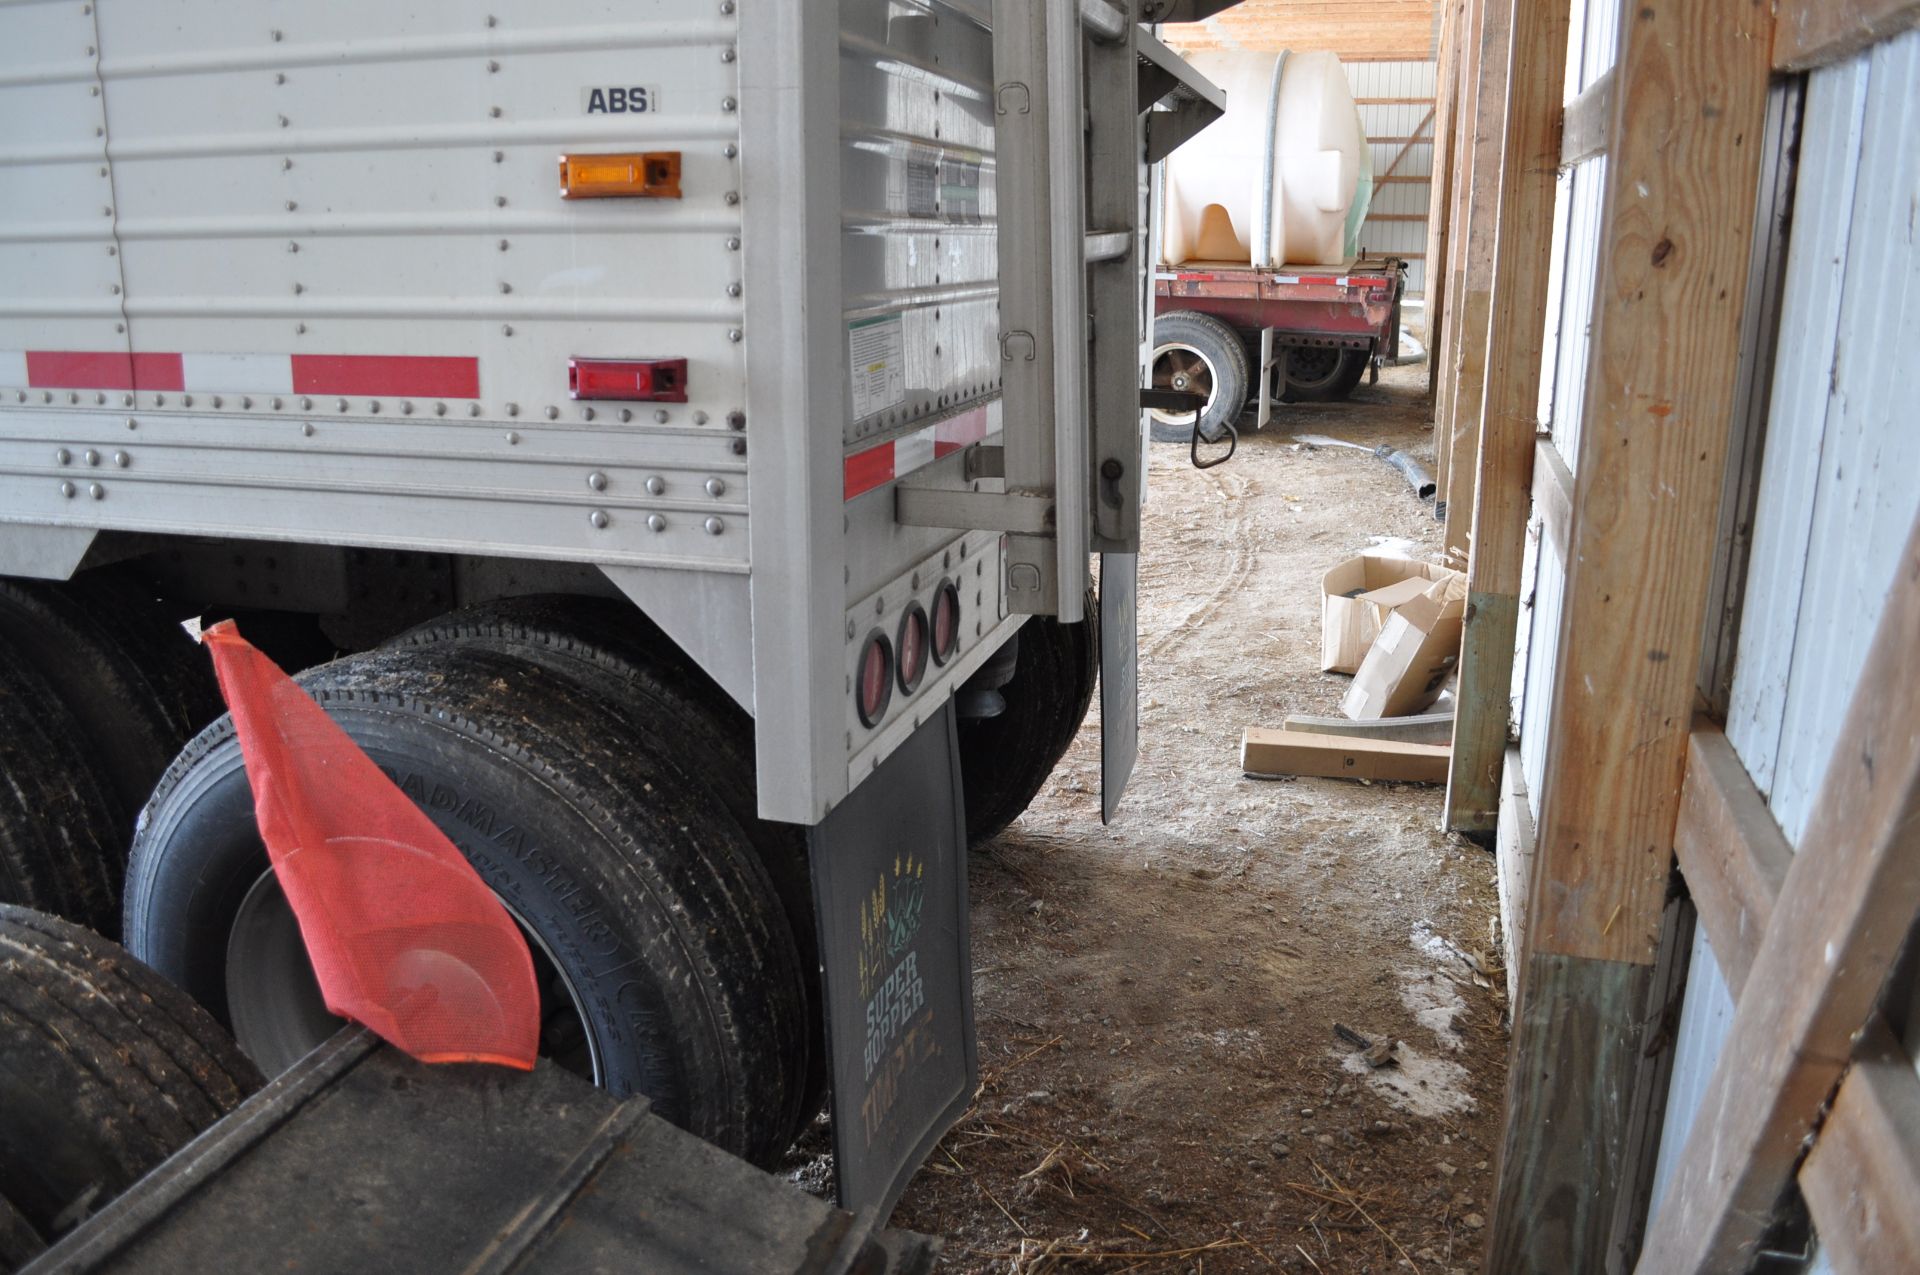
(880,465)
(401,375)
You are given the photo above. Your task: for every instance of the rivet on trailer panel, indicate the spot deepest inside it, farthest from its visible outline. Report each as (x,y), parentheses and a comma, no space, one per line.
(67,490)
(656,523)
(306,429)
(122,460)
(660,415)
(715,526)
(599,519)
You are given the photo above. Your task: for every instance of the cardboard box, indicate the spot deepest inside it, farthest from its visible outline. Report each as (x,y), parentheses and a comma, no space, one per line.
(1409,663)
(1357,596)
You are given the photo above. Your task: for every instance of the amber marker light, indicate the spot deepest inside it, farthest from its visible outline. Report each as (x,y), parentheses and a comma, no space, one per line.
(647,175)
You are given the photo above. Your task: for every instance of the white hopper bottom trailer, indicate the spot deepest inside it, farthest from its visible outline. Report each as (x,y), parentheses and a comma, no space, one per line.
(671,439)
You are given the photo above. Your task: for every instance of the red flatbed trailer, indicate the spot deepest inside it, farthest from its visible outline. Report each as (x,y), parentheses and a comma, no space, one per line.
(1312,330)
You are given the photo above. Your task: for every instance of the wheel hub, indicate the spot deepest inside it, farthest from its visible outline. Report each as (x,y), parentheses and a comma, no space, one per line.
(279,1015)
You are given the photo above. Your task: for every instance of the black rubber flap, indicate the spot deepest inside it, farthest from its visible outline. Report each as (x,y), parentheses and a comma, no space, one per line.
(1119,676)
(890,887)
(361,1159)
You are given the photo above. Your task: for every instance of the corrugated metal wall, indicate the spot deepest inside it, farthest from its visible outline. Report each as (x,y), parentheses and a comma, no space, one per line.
(1837,489)
(1396,102)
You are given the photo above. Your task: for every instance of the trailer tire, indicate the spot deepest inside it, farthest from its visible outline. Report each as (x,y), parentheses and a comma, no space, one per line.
(1199,353)
(1005,760)
(105,1070)
(1325,375)
(60,847)
(666,963)
(687,724)
(135,683)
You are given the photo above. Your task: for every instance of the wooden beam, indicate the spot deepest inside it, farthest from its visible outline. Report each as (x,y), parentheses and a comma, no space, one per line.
(1477,277)
(1444,207)
(1553,497)
(1844,912)
(1507,423)
(1584,134)
(1282,752)
(1676,231)
(1862,1178)
(1732,854)
(1446,67)
(1422,728)
(1811,33)
(1476,296)
(1466,153)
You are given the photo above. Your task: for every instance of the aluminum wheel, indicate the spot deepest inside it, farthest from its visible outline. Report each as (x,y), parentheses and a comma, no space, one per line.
(1179,366)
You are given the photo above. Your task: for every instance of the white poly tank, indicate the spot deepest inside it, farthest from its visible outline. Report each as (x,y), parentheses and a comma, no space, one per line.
(1289,156)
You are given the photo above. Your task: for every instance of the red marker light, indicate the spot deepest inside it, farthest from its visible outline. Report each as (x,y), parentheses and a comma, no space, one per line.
(635,380)
(875,687)
(946,621)
(913,647)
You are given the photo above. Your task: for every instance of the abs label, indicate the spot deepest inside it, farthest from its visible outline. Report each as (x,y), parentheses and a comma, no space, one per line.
(637,99)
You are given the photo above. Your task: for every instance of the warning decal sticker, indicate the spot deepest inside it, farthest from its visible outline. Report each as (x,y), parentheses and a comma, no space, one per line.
(877,364)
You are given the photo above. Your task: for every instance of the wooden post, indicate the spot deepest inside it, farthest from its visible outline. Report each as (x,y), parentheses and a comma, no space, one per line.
(1440,189)
(1522,253)
(1670,287)
(1475,299)
(1843,913)
(1461,182)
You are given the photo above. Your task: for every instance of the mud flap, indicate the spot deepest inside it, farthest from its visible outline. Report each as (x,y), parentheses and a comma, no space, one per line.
(890,894)
(1119,676)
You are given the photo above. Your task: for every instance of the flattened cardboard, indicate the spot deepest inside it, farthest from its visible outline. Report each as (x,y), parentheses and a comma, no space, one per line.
(1357,595)
(1409,663)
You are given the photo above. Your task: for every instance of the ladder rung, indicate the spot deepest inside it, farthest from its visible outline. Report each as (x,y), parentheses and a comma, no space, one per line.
(1108,245)
(1103,21)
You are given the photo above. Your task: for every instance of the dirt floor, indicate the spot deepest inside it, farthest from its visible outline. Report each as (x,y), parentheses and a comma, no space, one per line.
(1164,1083)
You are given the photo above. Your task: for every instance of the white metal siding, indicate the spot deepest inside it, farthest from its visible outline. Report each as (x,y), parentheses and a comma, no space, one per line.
(1398,199)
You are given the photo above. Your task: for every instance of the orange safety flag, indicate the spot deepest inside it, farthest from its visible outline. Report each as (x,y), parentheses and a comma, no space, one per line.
(404,935)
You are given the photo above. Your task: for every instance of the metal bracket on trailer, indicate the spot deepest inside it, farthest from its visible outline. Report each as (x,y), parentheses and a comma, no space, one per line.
(1071,80)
